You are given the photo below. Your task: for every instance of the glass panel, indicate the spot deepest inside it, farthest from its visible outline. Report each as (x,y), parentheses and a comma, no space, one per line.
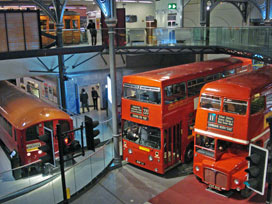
(75,25)
(32,133)
(235,106)
(145,94)
(174,93)
(205,145)
(210,102)
(257,104)
(228,73)
(67,24)
(64,125)
(143,135)
(268,100)
(97,163)
(83,174)
(194,86)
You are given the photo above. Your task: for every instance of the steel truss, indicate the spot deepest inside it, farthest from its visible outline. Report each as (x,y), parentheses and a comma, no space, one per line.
(177,49)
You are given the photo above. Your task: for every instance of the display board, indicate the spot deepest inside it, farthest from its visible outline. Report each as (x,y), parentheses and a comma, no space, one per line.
(20,30)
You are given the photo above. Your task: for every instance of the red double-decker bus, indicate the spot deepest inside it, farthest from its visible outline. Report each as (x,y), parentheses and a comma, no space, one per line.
(158,111)
(231,114)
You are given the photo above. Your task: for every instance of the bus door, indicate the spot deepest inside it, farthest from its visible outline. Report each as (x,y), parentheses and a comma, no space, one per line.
(172,144)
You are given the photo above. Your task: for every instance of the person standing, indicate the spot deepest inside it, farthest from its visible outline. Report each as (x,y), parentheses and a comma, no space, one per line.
(94,96)
(93,31)
(84,100)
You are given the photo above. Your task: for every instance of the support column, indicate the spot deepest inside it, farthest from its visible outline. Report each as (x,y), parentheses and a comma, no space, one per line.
(111,23)
(59,9)
(267,11)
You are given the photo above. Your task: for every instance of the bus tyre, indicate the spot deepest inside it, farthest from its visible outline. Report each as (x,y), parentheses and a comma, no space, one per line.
(189,154)
(199,179)
(17,173)
(246,192)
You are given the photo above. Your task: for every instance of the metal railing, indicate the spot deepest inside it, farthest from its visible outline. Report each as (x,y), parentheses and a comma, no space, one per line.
(255,38)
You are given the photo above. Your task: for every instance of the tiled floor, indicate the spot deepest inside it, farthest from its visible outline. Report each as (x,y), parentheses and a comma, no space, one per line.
(128,184)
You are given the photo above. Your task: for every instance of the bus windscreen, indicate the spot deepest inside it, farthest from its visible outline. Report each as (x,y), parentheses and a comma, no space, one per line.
(143,135)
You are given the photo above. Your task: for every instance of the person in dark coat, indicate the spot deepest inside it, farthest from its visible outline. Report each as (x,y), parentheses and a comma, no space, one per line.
(93,31)
(84,100)
(95,96)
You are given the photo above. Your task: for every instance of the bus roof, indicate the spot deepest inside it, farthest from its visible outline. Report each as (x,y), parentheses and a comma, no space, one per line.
(23,110)
(241,86)
(158,76)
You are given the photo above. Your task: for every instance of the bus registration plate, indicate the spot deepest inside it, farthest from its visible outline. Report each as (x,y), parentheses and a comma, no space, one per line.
(139,162)
(215,187)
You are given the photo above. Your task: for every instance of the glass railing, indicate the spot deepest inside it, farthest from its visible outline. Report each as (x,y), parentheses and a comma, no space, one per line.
(253,39)
(33,187)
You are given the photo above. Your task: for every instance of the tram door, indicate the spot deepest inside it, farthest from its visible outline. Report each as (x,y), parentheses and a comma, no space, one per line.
(172,144)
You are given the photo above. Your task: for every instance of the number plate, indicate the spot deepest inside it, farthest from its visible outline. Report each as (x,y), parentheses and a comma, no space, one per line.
(214,187)
(139,162)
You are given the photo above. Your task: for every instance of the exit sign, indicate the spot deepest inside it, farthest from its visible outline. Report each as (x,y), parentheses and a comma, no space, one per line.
(172,6)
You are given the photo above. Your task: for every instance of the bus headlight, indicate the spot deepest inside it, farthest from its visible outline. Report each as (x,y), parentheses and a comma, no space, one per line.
(150,158)
(40,151)
(28,154)
(197,168)
(130,151)
(236,181)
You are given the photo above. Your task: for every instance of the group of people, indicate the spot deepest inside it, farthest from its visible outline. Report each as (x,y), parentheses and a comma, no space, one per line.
(84,99)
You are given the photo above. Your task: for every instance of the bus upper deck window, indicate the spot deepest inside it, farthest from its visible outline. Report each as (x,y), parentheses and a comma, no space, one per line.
(210,102)
(228,73)
(235,106)
(257,104)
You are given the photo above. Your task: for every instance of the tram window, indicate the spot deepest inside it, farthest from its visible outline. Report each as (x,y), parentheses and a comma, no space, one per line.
(64,125)
(194,86)
(257,104)
(51,25)
(67,24)
(235,106)
(49,124)
(269,100)
(32,133)
(75,25)
(43,24)
(2,121)
(15,136)
(8,128)
(210,102)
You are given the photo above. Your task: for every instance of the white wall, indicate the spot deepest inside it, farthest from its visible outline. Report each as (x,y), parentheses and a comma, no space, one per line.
(161,9)
(224,15)
(140,10)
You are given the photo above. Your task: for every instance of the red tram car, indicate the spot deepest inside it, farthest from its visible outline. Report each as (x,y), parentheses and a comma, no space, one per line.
(23,118)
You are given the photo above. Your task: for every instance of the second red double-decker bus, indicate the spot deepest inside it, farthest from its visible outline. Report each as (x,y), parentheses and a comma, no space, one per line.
(158,111)
(231,114)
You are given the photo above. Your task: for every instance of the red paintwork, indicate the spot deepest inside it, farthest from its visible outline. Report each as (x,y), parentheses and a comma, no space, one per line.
(166,116)
(22,111)
(246,128)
